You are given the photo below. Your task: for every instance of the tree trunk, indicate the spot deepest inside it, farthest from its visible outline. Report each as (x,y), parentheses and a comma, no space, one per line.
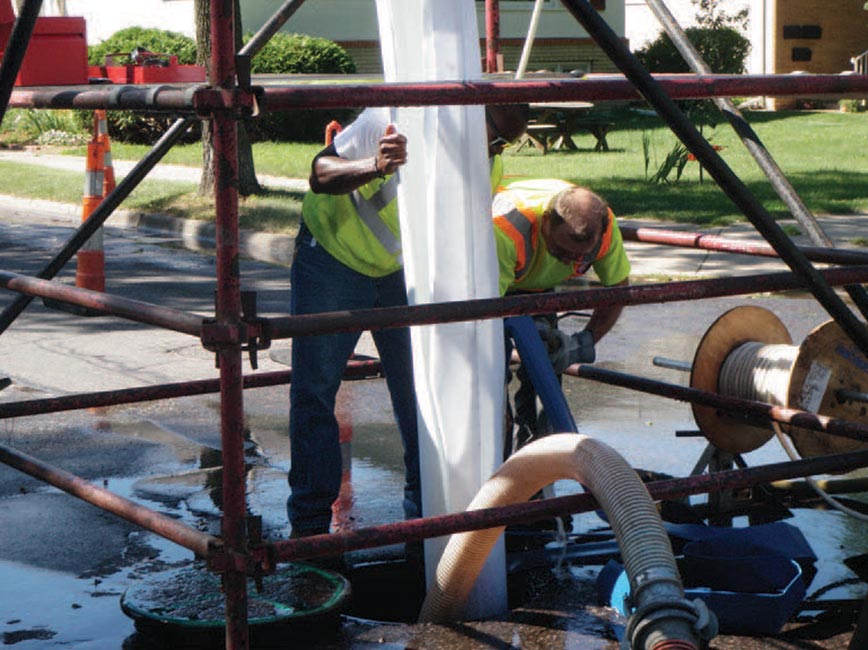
(247,183)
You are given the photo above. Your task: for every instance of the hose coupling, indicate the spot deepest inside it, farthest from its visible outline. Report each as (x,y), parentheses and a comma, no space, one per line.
(654,614)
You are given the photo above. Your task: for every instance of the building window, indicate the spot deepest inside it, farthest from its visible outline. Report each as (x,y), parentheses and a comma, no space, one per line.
(801,54)
(803,31)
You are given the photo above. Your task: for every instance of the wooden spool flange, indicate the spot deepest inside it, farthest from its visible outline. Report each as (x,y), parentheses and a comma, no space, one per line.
(827,362)
(735,327)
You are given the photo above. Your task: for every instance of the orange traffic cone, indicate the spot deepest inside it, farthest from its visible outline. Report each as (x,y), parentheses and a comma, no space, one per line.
(90,271)
(108,184)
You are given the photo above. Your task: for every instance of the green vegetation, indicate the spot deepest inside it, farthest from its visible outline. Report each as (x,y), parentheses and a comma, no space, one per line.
(824,154)
(45,127)
(283,54)
(157,41)
(299,54)
(724,49)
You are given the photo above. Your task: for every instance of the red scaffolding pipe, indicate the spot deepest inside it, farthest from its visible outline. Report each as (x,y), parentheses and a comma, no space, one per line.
(735,407)
(135,310)
(727,245)
(416,529)
(593,88)
(354,370)
(281,98)
(492,34)
(224,138)
(171,529)
(446,312)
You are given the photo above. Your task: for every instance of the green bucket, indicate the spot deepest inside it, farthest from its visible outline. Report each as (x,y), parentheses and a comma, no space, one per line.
(188,602)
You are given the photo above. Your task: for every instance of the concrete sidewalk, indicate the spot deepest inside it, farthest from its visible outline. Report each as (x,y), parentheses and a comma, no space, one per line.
(647,260)
(163,171)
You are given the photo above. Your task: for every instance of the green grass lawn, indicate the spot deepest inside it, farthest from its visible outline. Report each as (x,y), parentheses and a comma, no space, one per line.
(823,153)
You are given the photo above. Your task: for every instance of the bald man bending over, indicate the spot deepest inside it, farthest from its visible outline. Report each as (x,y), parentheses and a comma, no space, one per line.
(548,231)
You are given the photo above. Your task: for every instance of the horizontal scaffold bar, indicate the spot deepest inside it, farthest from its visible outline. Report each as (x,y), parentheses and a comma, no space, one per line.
(290,96)
(450,312)
(711,242)
(355,370)
(735,407)
(106,303)
(165,526)
(415,529)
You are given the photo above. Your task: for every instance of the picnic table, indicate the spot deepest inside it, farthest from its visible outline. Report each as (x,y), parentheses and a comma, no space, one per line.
(552,124)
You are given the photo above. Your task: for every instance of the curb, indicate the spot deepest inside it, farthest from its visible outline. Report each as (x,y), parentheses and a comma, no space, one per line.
(193,235)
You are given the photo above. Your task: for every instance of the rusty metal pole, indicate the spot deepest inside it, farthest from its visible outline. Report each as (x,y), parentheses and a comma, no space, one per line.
(492,34)
(163,525)
(355,370)
(708,242)
(464,310)
(427,527)
(228,315)
(270,28)
(726,179)
(736,407)
(170,99)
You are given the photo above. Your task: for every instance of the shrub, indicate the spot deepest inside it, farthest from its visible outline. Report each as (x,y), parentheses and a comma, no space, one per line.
(851,105)
(159,41)
(139,127)
(26,126)
(299,54)
(724,49)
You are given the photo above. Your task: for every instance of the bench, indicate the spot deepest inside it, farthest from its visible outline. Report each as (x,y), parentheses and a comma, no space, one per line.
(598,127)
(554,130)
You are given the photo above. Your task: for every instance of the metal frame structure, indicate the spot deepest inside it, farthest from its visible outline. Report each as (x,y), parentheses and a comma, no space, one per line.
(228,97)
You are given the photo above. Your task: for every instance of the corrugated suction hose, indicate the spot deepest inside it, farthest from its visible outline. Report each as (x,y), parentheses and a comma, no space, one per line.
(660,613)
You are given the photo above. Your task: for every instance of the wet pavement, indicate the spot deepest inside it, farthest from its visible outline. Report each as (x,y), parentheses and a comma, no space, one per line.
(64,564)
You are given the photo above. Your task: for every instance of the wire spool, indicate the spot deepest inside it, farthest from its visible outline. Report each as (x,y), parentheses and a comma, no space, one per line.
(736,327)
(828,362)
(747,353)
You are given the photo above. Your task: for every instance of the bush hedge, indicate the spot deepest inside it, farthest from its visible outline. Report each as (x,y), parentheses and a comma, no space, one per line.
(140,127)
(283,54)
(724,49)
(299,54)
(159,41)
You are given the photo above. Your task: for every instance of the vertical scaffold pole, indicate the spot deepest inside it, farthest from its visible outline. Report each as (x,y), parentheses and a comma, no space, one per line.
(228,314)
(492,34)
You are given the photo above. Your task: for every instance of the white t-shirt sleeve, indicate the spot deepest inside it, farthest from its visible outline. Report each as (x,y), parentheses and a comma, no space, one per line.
(361,138)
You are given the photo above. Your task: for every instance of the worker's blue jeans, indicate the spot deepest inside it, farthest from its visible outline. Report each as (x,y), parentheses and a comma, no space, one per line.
(320,283)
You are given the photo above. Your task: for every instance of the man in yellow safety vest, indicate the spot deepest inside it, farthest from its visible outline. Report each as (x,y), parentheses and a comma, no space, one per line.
(546,232)
(348,256)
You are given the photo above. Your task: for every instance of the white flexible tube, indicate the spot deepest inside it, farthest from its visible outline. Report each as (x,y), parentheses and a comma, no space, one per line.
(643,541)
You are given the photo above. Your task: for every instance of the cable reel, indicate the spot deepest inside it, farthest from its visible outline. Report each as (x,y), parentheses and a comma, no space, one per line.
(749,354)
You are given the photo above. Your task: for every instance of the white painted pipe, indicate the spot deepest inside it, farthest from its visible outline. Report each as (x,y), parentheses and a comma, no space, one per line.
(531,35)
